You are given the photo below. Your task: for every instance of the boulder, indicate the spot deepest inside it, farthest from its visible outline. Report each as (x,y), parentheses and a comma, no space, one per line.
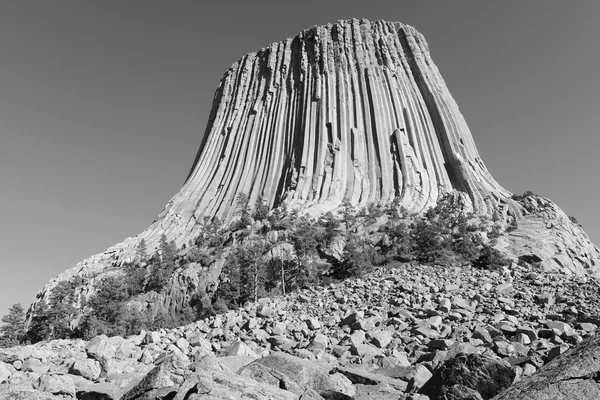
(358,376)
(57,384)
(302,372)
(162,380)
(100,348)
(4,372)
(85,389)
(89,369)
(488,376)
(571,375)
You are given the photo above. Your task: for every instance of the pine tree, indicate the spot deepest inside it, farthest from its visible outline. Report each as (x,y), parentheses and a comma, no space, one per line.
(141,252)
(168,252)
(61,311)
(14,329)
(39,328)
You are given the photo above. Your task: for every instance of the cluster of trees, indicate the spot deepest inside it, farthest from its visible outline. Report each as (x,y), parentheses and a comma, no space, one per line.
(266,252)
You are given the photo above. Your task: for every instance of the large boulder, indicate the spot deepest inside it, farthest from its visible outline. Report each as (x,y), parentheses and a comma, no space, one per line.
(572,375)
(488,376)
(297,373)
(162,380)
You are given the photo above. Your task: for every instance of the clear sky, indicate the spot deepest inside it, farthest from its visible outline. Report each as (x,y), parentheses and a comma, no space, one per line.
(103,106)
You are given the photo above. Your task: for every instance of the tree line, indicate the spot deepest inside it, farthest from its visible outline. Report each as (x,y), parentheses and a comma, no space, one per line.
(267,252)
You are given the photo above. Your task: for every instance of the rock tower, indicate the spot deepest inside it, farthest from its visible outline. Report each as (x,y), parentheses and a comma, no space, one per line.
(354,111)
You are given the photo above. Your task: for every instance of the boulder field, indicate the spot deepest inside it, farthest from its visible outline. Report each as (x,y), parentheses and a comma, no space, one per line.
(410,332)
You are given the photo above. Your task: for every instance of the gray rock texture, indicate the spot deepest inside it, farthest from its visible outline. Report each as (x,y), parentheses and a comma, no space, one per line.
(573,375)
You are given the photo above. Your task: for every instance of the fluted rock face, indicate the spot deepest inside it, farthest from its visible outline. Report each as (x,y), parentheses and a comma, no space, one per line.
(354,111)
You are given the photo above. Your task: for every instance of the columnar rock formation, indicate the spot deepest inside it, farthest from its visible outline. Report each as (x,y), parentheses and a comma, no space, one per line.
(353,111)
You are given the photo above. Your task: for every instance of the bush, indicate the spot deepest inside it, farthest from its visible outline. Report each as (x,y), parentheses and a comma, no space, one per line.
(490,258)
(357,259)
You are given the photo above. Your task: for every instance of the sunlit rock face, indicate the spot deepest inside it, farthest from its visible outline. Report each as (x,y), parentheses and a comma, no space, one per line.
(354,111)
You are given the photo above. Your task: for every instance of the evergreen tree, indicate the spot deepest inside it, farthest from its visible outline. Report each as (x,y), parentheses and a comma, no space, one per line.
(244,275)
(39,328)
(261,211)
(245,219)
(279,272)
(357,259)
(168,252)
(61,310)
(14,330)
(107,307)
(305,237)
(162,265)
(141,252)
(348,214)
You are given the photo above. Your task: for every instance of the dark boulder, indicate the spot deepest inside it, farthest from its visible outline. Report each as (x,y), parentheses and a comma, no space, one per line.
(488,376)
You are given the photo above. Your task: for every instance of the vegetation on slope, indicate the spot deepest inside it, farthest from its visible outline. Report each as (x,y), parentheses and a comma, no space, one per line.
(266,253)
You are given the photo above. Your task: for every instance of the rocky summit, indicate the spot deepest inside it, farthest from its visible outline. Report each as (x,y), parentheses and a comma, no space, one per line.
(411,332)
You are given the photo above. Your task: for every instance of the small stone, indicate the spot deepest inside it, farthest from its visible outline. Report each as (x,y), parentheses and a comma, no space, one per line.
(339,351)
(364,350)
(279,341)
(445,305)
(182,344)
(279,328)
(440,344)
(313,324)
(451,288)
(482,334)
(528,369)
(503,348)
(562,327)
(426,332)
(546,299)
(530,332)
(240,348)
(522,339)
(588,327)
(435,322)
(357,337)
(420,376)
(506,327)
(505,288)
(557,351)
(351,319)
(382,339)
(152,337)
(319,342)
(264,311)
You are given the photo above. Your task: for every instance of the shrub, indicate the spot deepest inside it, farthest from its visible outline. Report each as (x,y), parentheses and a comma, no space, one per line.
(491,258)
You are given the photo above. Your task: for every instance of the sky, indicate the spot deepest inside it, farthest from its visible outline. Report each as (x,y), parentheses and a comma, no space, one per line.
(103,106)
